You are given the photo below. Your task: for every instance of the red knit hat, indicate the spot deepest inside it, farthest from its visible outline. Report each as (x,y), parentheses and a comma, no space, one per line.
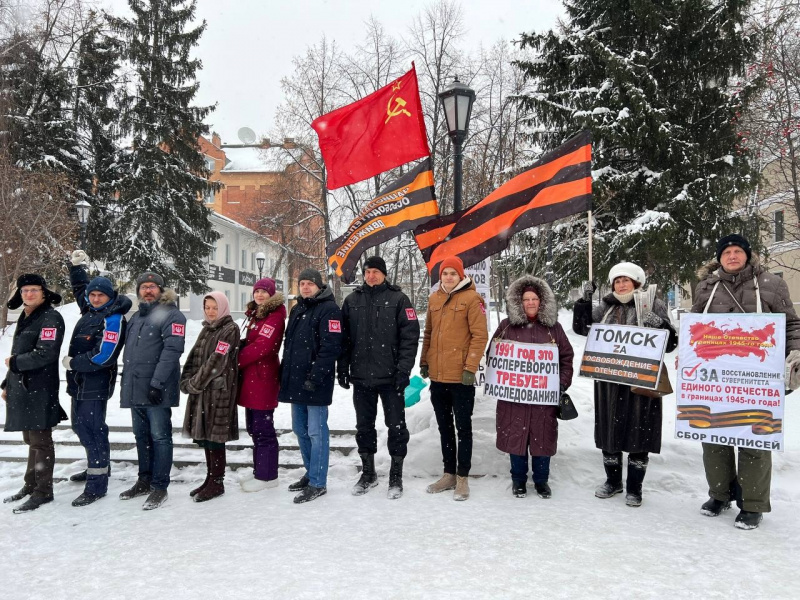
(452,262)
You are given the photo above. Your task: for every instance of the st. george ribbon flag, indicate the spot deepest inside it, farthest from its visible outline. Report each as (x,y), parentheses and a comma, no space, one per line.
(379,132)
(556,186)
(402,205)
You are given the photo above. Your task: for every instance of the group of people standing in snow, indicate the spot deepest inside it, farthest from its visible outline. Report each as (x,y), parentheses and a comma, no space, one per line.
(369,343)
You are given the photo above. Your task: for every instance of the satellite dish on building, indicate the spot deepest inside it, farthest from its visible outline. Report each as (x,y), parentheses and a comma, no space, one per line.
(247,135)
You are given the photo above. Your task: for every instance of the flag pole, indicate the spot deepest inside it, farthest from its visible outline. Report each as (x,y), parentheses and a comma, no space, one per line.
(591,273)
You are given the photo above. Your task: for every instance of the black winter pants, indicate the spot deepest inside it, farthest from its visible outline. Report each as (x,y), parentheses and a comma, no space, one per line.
(454,400)
(41,460)
(365,400)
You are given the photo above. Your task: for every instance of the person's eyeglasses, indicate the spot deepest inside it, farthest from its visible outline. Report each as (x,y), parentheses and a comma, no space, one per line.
(148,287)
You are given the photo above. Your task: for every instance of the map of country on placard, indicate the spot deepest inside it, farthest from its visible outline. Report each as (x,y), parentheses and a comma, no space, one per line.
(709,341)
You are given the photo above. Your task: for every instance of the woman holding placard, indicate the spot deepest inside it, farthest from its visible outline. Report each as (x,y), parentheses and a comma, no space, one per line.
(532,428)
(624,421)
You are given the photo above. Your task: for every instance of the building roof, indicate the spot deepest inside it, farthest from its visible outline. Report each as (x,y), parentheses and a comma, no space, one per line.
(257,159)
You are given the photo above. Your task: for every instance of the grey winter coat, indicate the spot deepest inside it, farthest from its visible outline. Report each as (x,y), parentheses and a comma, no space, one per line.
(741,286)
(623,421)
(210,377)
(32,381)
(532,428)
(153,347)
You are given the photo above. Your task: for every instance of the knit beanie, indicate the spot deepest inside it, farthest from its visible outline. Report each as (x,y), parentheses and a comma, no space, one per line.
(150,277)
(266,284)
(102,285)
(311,275)
(375,262)
(733,239)
(452,262)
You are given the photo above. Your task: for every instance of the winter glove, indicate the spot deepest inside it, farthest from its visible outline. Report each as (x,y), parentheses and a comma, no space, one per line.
(589,289)
(793,370)
(78,256)
(467,378)
(154,395)
(310,386)
(344,380)
(401,381)
(651,319)
(423,371)
(67,361)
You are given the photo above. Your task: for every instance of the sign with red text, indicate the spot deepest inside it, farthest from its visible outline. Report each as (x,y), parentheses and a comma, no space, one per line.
(731,379)
(523,373)
(624,354)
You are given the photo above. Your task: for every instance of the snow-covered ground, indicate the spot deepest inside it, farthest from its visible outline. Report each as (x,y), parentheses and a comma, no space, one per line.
(421,546)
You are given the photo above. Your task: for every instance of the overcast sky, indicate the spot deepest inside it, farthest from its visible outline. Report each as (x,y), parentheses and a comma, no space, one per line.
(249,44)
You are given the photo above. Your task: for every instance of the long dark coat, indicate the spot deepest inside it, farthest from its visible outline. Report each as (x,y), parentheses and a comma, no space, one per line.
(32,381)
(623,421)
(532,428)
(210,376)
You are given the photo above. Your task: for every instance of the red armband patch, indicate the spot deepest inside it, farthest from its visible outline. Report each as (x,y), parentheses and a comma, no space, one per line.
(411,314)
(266,330)
(48,334)
(222,348)
(111,336)
(334,326)
(483,308)
(178,329)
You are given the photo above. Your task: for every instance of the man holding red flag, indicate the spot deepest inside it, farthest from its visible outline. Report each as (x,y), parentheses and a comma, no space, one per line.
(379,132)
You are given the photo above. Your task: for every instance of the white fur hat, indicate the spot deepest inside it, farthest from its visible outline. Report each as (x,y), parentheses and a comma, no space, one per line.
(627,269)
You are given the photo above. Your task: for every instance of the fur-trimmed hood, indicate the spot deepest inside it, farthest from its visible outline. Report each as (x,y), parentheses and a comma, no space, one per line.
(259,312)
(548,307)
(710,268)
(168,298)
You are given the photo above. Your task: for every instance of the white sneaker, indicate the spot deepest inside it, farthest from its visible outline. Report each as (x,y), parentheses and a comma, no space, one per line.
(256,485)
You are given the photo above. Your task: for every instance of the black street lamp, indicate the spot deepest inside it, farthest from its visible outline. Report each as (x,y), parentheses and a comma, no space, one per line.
(83,208)
(260,260)
(457,100)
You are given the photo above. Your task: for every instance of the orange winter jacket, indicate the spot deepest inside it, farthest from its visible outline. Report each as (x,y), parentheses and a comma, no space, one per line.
(455,333)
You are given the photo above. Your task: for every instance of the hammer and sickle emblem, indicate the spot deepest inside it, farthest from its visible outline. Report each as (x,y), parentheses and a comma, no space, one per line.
(397,110)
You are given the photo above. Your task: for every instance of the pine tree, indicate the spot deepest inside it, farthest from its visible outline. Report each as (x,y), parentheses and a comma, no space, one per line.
(652,80)
(160,222)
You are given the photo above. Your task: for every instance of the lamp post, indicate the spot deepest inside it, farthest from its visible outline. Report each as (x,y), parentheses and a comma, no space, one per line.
(260,260)
(457,99)
(83,207)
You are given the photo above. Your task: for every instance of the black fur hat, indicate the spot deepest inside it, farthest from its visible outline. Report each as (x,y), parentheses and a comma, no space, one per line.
(50,297)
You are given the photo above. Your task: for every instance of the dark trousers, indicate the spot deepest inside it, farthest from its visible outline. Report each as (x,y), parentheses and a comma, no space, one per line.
(41,460)
(152,428)
(365,400)
(261,428)
(454,400)
(754,474)
(519,468)
(89,422)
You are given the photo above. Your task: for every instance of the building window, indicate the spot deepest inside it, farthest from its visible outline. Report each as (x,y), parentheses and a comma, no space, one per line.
(227,254)
(208,196)
(244,301)
(244,259)
(778,225)
(213,255)
(253,261)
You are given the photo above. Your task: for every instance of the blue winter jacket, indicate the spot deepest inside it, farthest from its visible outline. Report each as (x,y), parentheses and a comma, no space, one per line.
(96,342)
(153,347)
(313,341)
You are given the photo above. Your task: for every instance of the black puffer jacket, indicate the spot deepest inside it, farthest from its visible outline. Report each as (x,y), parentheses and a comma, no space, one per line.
(96,342)
(32,382)
(381,334)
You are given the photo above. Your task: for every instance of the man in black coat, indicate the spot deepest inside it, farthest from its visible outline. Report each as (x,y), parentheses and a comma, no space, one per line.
(30,388)
(91,366)
(313,342)
(381,333)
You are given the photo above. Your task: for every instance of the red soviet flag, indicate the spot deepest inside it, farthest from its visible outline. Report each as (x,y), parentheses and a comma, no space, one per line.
(382,131)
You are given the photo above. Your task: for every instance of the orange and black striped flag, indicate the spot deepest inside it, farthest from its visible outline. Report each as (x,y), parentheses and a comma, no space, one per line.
(556,186)
(401,206)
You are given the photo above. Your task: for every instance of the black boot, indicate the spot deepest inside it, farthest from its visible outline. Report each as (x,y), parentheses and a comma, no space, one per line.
(309,493)
(613,484)
(713,507)
(140,488)
(543,490)
(35,501)
(395,478)
(519,489)
(216,481)
(637,467)
(368,479)
(26,490)
(203,485)
(744,520)
(155,499)
(86,498)
(299,485)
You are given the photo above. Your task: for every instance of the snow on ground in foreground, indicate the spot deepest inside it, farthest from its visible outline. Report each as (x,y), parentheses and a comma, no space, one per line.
(421,546)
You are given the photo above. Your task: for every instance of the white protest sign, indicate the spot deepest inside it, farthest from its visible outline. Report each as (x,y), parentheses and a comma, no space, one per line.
(523,373)
(624,354)
(731,379)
